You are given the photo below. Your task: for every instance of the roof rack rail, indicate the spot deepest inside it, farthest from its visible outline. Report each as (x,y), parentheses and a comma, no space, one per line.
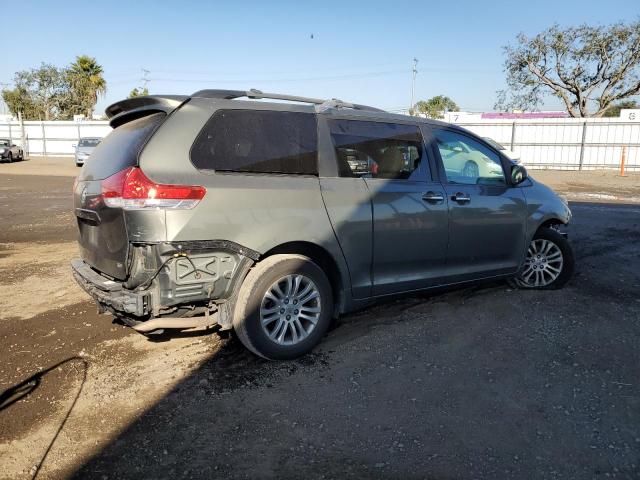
(257,94)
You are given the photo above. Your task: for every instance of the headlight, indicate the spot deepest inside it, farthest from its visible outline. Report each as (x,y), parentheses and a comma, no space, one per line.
(2,150)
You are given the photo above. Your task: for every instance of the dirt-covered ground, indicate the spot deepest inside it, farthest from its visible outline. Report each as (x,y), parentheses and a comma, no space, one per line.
(477,382)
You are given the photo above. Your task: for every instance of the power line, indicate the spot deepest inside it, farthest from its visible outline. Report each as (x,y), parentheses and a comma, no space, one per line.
(281,80)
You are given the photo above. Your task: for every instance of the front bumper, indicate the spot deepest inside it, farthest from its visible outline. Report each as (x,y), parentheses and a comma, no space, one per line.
(109,294)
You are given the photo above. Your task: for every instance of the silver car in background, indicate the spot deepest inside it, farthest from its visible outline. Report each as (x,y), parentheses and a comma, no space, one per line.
(84,148)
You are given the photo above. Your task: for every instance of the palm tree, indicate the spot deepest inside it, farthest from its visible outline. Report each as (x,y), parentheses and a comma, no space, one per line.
(86,78)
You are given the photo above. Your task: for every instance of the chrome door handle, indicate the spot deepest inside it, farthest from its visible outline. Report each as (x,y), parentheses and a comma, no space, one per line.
(432,197)
(461,197)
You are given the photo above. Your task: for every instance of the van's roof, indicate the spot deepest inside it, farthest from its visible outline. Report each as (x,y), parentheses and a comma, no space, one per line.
(131,108)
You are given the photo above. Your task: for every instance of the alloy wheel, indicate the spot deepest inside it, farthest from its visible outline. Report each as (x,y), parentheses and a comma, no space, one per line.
(543,264)
(290,309)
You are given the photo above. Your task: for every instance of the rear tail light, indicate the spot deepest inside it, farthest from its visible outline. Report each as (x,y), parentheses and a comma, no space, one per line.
(130,189)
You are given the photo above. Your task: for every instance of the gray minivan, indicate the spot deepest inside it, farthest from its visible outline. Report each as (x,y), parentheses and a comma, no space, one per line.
(272,218)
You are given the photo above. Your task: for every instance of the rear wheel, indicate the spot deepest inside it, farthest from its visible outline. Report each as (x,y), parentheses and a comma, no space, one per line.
(549,263)
(284,307)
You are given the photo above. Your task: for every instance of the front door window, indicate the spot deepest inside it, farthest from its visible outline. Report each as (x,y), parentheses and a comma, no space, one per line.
(467,161)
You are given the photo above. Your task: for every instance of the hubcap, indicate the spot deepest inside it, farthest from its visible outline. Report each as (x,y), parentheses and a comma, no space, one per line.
(290,309)
(543,264)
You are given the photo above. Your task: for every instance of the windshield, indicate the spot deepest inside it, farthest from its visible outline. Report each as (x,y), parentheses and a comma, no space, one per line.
(493,143)
(4,142)
(89,142)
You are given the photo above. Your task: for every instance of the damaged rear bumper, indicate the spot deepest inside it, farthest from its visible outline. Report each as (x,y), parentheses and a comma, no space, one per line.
(178,285)
(107,293)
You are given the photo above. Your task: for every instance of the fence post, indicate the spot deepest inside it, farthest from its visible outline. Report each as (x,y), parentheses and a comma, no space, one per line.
(10,136)
(584,136)
(44,140)
(513,134)
(23,137)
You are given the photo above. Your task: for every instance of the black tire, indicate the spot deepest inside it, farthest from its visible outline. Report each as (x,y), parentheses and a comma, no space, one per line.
(246,321)
(10,157)
(21,156)
(568,261)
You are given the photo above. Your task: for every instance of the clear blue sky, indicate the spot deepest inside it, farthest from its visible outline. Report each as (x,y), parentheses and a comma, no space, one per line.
(361,51)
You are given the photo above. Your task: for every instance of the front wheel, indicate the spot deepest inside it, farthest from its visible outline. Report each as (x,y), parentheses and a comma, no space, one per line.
(549,263)
(284,307)
(10,157)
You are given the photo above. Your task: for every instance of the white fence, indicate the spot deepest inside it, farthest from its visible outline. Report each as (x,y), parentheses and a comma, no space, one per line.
(545,143)
(52,138)
(571,143)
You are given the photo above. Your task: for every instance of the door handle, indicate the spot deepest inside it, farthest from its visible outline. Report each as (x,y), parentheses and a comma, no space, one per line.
(433,197)
(461,197)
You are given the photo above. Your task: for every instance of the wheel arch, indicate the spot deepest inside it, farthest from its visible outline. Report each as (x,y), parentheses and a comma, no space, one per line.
(535,224)
(551,223)
(320,256)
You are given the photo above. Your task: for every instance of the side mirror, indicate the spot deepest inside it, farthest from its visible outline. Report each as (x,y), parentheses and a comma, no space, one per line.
(13,144)
(518,174)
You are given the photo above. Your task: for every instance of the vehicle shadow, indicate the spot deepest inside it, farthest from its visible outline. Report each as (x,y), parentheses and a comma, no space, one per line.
(463,382)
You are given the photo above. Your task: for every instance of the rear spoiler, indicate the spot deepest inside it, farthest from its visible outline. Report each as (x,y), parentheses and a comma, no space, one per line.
(126,110)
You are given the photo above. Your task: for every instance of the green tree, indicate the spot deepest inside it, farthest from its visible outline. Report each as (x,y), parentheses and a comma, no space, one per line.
(588,68)
(40,94)
(435,107)
(85,76)
(18,100)
(614,110)
(138,92)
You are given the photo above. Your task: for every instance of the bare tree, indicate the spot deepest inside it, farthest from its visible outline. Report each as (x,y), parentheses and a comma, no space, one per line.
(588,68)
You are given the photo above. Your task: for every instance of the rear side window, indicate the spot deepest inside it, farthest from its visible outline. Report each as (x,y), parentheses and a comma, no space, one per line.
(258,141)
(376,149)
(120,149)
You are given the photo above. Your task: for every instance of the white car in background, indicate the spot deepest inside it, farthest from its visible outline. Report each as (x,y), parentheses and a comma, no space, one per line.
(514,157)
(83,149)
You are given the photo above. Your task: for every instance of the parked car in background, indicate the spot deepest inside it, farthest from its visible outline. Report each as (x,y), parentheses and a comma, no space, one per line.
(84,148)
(270,219)
(9,151)
(514,157)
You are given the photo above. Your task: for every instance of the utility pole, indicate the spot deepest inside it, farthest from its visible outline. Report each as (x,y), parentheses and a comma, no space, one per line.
(145,78)
(414,72)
